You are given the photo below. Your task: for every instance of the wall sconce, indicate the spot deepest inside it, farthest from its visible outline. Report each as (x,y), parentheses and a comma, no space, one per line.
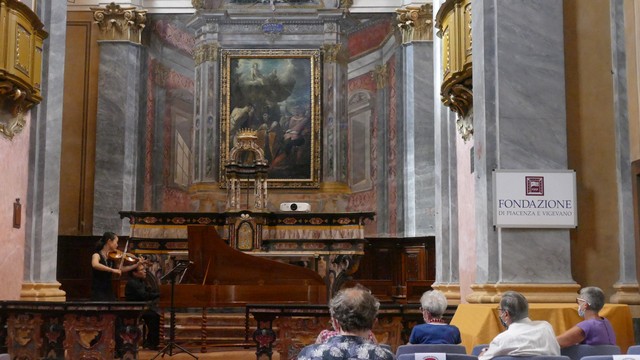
(21,37)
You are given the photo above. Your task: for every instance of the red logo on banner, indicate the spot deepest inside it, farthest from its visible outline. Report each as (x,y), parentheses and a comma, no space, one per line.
(535,185)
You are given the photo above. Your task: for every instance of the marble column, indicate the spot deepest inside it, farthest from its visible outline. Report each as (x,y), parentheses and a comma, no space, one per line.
(445,185)
(120,112)
(41,243)
(418,120)
(519,123)
(627,285)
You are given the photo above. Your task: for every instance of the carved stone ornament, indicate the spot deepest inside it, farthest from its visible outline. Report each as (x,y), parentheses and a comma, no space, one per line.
(120,22)
(415,23)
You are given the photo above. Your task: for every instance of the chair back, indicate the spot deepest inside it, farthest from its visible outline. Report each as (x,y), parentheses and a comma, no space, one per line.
(430,348)
(577,352)
(451,356)
(633,350)
(599,357)
(537,357)
(478,349)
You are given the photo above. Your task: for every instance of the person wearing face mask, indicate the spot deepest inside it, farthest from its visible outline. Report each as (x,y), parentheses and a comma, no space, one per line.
(523,336)
(594,330)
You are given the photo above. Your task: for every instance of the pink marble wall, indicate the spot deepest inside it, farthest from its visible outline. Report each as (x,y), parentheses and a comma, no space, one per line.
(466,217)
(14,178)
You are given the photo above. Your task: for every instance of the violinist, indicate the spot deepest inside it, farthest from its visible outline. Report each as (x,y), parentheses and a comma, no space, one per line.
(104,264)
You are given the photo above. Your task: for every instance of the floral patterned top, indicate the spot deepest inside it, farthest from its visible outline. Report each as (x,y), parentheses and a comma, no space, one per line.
(345,347)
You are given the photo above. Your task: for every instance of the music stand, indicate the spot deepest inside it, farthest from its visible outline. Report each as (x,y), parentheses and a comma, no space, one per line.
(177,270)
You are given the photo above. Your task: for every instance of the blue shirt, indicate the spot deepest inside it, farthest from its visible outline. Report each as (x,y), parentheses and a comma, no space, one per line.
(435,334)
(345,347)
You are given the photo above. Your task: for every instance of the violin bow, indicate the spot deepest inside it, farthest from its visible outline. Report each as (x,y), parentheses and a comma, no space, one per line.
(124,254)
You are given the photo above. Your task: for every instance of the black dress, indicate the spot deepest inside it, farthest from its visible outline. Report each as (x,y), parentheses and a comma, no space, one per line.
(101,289)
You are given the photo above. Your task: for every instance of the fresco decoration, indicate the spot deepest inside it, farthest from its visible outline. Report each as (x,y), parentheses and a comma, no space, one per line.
(276,93)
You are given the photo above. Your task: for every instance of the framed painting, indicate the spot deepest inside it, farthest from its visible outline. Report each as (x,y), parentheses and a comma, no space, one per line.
(276,93)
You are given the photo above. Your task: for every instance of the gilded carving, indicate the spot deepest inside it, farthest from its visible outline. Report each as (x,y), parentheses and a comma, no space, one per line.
(346,4)
(20,66)
(453,21)
(331,52)
(13,106)
(120,22)
(415,22)
(197,4)
(205,52)
(381,76)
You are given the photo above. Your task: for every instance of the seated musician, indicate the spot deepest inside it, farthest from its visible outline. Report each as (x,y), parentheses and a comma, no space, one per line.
(353,313)
(434,330)
(104,265)
(594,330)
(137,290)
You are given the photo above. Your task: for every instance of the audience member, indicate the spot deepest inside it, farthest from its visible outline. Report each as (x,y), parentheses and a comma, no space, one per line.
(353,312)
(594,330)
(435,330)
(523,337)
(327,334)
(137,290)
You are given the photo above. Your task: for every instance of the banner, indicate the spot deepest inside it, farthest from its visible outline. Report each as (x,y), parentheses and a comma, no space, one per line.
(535,199)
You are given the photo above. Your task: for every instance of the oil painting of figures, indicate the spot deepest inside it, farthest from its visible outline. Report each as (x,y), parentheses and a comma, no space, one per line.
(276,97)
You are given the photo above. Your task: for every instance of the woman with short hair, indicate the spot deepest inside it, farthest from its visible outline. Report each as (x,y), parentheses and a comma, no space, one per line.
(434,330)
(594,330)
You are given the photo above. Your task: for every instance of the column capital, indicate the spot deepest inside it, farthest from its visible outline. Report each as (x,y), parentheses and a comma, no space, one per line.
(416,22)
(205,52)
(120,22)
(331,52)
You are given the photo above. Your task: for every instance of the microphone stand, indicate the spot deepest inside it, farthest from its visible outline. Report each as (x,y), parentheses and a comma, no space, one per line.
(179,269)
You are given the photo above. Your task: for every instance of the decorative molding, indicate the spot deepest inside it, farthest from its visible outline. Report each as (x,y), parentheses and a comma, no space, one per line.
(120,22)
(20,64)
(535,293)
(205,52)
(626,294)
(381,76)
(42,292)
(415,23)
(331,52)
(453,22)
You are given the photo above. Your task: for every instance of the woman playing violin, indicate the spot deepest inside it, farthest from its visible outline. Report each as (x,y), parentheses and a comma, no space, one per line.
(103,262)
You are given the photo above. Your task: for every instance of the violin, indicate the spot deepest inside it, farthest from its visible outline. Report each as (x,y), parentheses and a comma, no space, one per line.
(128,258)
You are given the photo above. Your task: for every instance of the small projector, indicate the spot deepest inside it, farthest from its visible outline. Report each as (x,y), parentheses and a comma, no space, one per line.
(295,206)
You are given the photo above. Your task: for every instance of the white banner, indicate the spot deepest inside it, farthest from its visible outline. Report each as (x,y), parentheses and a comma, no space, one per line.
(535,199)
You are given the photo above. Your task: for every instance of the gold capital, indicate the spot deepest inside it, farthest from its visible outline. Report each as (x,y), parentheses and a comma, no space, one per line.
(331,52)
(205,52)
(416,22)
(120,22)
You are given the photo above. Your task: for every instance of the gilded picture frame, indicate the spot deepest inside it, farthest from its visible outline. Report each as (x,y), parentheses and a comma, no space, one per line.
(275,92)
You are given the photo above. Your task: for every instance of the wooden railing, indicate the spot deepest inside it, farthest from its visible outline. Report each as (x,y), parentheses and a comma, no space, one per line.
(96,330)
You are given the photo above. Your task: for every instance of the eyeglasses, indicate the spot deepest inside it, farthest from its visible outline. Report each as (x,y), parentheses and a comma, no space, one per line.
(578,300)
